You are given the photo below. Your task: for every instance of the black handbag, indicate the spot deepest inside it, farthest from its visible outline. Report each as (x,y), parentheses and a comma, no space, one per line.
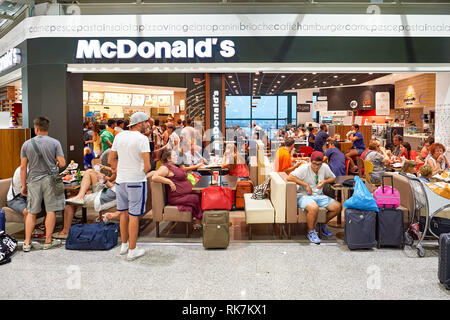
(8,246)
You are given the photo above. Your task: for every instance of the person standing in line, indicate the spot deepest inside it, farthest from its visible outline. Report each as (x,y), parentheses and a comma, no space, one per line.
(40,155)
(88,134)
(106,138)
(112,124)
(130,158)
(120,125)
(97,140)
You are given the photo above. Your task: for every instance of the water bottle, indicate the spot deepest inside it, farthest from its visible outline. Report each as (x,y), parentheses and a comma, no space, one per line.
(2,220)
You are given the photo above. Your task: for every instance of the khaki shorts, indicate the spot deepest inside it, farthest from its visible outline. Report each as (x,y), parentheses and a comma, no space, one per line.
(42,190)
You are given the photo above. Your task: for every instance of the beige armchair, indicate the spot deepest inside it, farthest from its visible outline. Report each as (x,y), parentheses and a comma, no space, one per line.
(161,211)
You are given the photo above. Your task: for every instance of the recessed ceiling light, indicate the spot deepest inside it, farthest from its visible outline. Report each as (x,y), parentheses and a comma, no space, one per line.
(293,88)
(314,72)
(234,86)
(232,81)
(370,72)
(256,79)
(230,77)
(315,86)
(335,76)
(298,84)
(257,72)
(315,80)
(278,81)
(324,82)
(305,79)
(342,84)
(283,76)
(353,79)
(274,86)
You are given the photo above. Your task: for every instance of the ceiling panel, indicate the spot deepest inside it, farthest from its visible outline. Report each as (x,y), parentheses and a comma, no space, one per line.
(277,83)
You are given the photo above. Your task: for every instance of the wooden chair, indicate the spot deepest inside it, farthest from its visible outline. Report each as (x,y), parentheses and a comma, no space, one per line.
(368,168)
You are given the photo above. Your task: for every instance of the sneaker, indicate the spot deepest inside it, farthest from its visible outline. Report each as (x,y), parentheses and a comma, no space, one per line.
(134,254)
(79,202)
(26,247)
(124,248)
(313,237)
(325,231)
(53,244)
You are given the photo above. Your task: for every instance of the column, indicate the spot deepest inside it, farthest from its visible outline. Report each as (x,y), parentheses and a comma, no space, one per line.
(48,90)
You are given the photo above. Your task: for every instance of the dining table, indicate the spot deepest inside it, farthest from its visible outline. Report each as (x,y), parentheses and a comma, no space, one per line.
(227,181)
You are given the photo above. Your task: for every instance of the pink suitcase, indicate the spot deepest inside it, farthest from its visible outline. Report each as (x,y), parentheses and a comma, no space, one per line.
(387,196)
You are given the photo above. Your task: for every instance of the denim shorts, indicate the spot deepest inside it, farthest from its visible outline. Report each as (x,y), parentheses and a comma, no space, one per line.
(131,197)
(360,151)
(322,200)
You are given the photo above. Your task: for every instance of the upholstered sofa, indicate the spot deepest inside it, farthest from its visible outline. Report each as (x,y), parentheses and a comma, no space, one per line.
(14,220)
(267,211)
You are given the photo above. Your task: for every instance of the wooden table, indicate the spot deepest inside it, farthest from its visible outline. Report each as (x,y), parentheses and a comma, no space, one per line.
(340,188)
(75,187)
(224,181)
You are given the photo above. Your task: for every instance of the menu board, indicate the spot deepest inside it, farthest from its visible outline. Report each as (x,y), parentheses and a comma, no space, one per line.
(117,99)
(96,98)
(151,101)
(138,100)
(85,97)
(164,101)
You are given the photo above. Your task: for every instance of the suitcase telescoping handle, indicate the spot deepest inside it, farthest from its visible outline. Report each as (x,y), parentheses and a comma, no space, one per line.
(392,181)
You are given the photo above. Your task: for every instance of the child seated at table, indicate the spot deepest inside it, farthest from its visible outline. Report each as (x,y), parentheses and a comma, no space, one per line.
(409,167)
(426,172)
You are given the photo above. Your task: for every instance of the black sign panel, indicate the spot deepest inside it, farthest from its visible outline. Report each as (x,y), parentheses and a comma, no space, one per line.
(216,106)
(195,96)
(303,107)
(355,98)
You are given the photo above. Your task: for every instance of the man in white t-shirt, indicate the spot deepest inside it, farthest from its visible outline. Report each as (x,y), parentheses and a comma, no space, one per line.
(311,179)
(130,156)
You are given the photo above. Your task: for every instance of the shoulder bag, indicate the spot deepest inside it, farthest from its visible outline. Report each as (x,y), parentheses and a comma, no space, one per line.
(56,179)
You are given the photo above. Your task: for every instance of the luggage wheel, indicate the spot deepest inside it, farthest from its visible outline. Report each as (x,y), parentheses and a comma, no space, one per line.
(421,252)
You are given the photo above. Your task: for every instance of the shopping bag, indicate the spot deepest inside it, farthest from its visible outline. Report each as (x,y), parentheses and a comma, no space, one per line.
(191,178)
(217,198)
(362,199)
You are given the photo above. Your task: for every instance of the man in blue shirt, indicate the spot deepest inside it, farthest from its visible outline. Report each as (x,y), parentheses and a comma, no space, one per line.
(321,138)
(358,148)
(336,159)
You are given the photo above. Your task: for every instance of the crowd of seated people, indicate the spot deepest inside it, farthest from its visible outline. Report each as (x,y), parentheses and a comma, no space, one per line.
(180,154)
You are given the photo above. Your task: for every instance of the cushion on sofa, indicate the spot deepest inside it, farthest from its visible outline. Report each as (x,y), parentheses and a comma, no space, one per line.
(278,196)
(258,211)
(171,213)
(12,216)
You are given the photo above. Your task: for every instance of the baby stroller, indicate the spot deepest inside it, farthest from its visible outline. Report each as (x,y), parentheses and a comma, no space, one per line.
(432,203)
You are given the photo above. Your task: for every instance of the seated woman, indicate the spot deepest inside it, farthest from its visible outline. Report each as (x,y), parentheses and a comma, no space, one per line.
(192,160)
(426,172)
(233,161)
(178,187)
(91,178)
(409,167)
(437,159)
(358,147)
(379,159)
(426,148)
(405,151)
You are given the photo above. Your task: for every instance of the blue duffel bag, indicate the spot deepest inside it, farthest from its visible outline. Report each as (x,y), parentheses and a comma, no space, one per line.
(97,236)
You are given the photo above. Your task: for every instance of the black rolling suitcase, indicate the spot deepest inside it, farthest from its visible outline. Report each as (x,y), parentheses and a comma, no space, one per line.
(216,229)
(360,229)
(444,260)
(390,229)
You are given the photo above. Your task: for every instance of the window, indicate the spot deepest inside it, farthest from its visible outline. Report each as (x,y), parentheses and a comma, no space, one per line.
(282,107)
(266,108)
(294,108)
(237,107)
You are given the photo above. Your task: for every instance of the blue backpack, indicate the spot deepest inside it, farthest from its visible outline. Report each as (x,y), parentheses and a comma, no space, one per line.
(97,236)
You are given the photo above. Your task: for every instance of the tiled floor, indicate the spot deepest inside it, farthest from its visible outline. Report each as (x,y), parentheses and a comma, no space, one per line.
(243,271)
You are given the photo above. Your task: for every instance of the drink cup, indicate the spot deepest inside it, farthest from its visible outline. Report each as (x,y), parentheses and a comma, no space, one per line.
(216,176)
